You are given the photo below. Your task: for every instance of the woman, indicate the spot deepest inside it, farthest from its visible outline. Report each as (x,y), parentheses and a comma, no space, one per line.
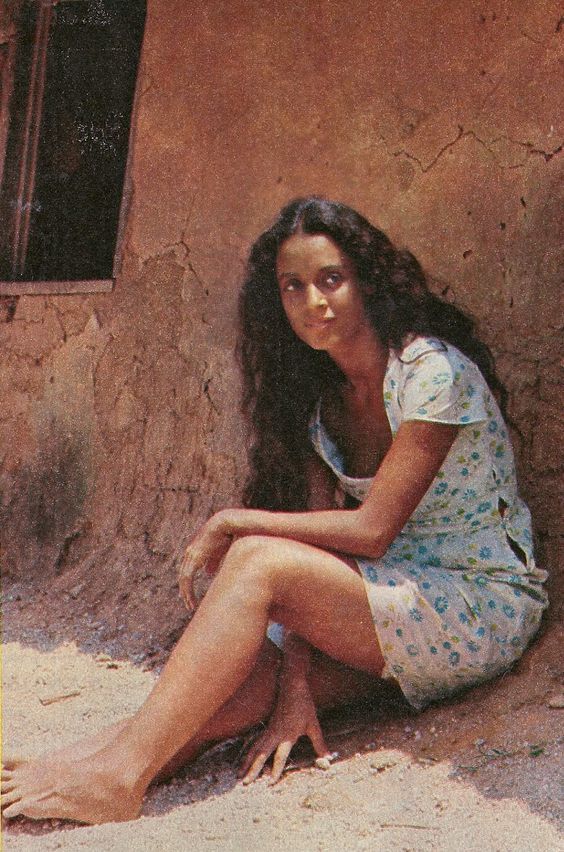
(382,525)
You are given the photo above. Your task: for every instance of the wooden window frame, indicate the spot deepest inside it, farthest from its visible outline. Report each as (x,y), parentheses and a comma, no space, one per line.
(26,180)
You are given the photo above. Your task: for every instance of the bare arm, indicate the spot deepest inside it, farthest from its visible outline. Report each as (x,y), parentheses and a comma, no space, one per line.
(403,478)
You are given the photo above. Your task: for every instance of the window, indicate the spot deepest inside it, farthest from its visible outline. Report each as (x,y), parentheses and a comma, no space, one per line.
(67,88)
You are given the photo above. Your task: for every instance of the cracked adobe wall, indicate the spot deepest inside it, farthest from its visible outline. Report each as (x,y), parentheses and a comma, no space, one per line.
(119,427)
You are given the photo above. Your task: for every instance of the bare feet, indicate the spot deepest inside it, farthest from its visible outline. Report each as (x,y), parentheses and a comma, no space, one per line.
(14,760)
(93,789)
(74,751)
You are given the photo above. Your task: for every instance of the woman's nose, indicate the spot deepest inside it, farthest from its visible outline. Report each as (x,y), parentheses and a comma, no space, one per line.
(315,297)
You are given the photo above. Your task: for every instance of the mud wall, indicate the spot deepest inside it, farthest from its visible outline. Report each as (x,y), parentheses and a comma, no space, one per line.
(118,426)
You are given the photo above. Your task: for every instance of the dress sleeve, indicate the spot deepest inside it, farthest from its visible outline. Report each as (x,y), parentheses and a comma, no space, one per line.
(443,387)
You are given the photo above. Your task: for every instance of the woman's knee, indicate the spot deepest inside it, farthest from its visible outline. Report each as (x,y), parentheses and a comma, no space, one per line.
(255,559)
(246,548)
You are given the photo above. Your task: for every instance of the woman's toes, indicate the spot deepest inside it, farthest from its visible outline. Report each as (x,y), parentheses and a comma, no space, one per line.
(12,761)
(7,785)
(8,798)
(13,811)
(6,774)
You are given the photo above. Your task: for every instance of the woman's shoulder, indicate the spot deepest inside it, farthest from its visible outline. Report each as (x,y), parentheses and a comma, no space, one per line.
(416,346)
(429,379)
(421,353)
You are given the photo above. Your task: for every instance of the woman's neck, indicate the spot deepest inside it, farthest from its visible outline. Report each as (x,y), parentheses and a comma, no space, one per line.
(362,361)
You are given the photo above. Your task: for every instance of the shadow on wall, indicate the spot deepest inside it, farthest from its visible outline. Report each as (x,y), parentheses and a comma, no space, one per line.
(47,502)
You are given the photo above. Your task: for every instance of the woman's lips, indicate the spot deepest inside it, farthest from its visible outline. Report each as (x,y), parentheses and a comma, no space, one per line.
(321,323)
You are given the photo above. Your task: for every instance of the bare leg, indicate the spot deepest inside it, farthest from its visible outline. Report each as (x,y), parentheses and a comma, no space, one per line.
(331,683)
(313,592)
(74,751)
(250,704)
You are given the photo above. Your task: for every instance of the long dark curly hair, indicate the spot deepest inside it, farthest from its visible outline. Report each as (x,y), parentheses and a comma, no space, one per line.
(283,377)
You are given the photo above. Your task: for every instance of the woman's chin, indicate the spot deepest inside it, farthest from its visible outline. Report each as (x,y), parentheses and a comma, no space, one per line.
(319,338)
(318,345)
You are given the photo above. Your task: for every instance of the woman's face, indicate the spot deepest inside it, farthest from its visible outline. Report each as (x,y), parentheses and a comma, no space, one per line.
(320,291)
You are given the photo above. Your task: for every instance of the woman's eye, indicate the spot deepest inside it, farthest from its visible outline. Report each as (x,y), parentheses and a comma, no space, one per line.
(333,278)
(291,285)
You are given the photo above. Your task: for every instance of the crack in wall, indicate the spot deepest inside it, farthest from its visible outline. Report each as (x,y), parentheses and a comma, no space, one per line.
(536,41)
(402,152)
(530,148)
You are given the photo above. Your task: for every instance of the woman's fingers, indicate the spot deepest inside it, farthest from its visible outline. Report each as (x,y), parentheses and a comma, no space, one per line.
(280,758)
(252,749)
(186,596)
(185,581)
(245,764)
(278,743)
(184,589)
(257,766)
(317,740)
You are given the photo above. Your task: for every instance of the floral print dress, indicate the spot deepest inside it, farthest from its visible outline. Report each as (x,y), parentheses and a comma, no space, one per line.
(457,596)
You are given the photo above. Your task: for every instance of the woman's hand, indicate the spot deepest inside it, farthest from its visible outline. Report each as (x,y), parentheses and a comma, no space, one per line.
(294,716)
(204,552)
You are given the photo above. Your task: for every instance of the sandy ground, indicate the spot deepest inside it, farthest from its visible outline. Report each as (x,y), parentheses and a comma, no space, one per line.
(482,772)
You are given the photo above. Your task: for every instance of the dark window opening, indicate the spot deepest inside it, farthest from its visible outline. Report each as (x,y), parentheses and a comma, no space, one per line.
(70,86)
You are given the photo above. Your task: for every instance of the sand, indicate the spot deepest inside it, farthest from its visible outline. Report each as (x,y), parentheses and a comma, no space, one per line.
(482,772)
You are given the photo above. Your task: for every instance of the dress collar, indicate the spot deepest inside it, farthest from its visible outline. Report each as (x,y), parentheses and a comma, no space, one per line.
(419,346)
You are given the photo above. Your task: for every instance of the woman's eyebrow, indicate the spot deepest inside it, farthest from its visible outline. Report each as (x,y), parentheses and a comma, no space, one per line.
(331,267)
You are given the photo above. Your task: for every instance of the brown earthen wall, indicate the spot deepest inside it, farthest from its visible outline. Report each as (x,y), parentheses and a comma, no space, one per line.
(119,429)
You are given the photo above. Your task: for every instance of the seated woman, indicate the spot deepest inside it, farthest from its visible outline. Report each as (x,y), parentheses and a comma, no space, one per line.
(382,526)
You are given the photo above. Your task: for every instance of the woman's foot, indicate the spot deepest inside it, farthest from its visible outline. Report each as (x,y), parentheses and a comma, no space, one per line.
(74,751)
(101,787)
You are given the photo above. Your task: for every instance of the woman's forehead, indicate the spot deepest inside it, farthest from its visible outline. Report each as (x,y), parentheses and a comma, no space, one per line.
(302,251)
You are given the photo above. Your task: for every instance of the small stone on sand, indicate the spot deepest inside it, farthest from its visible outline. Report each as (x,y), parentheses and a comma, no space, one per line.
(383,762)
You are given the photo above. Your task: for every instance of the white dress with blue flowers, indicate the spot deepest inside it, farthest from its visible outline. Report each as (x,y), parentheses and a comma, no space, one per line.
(457,596)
